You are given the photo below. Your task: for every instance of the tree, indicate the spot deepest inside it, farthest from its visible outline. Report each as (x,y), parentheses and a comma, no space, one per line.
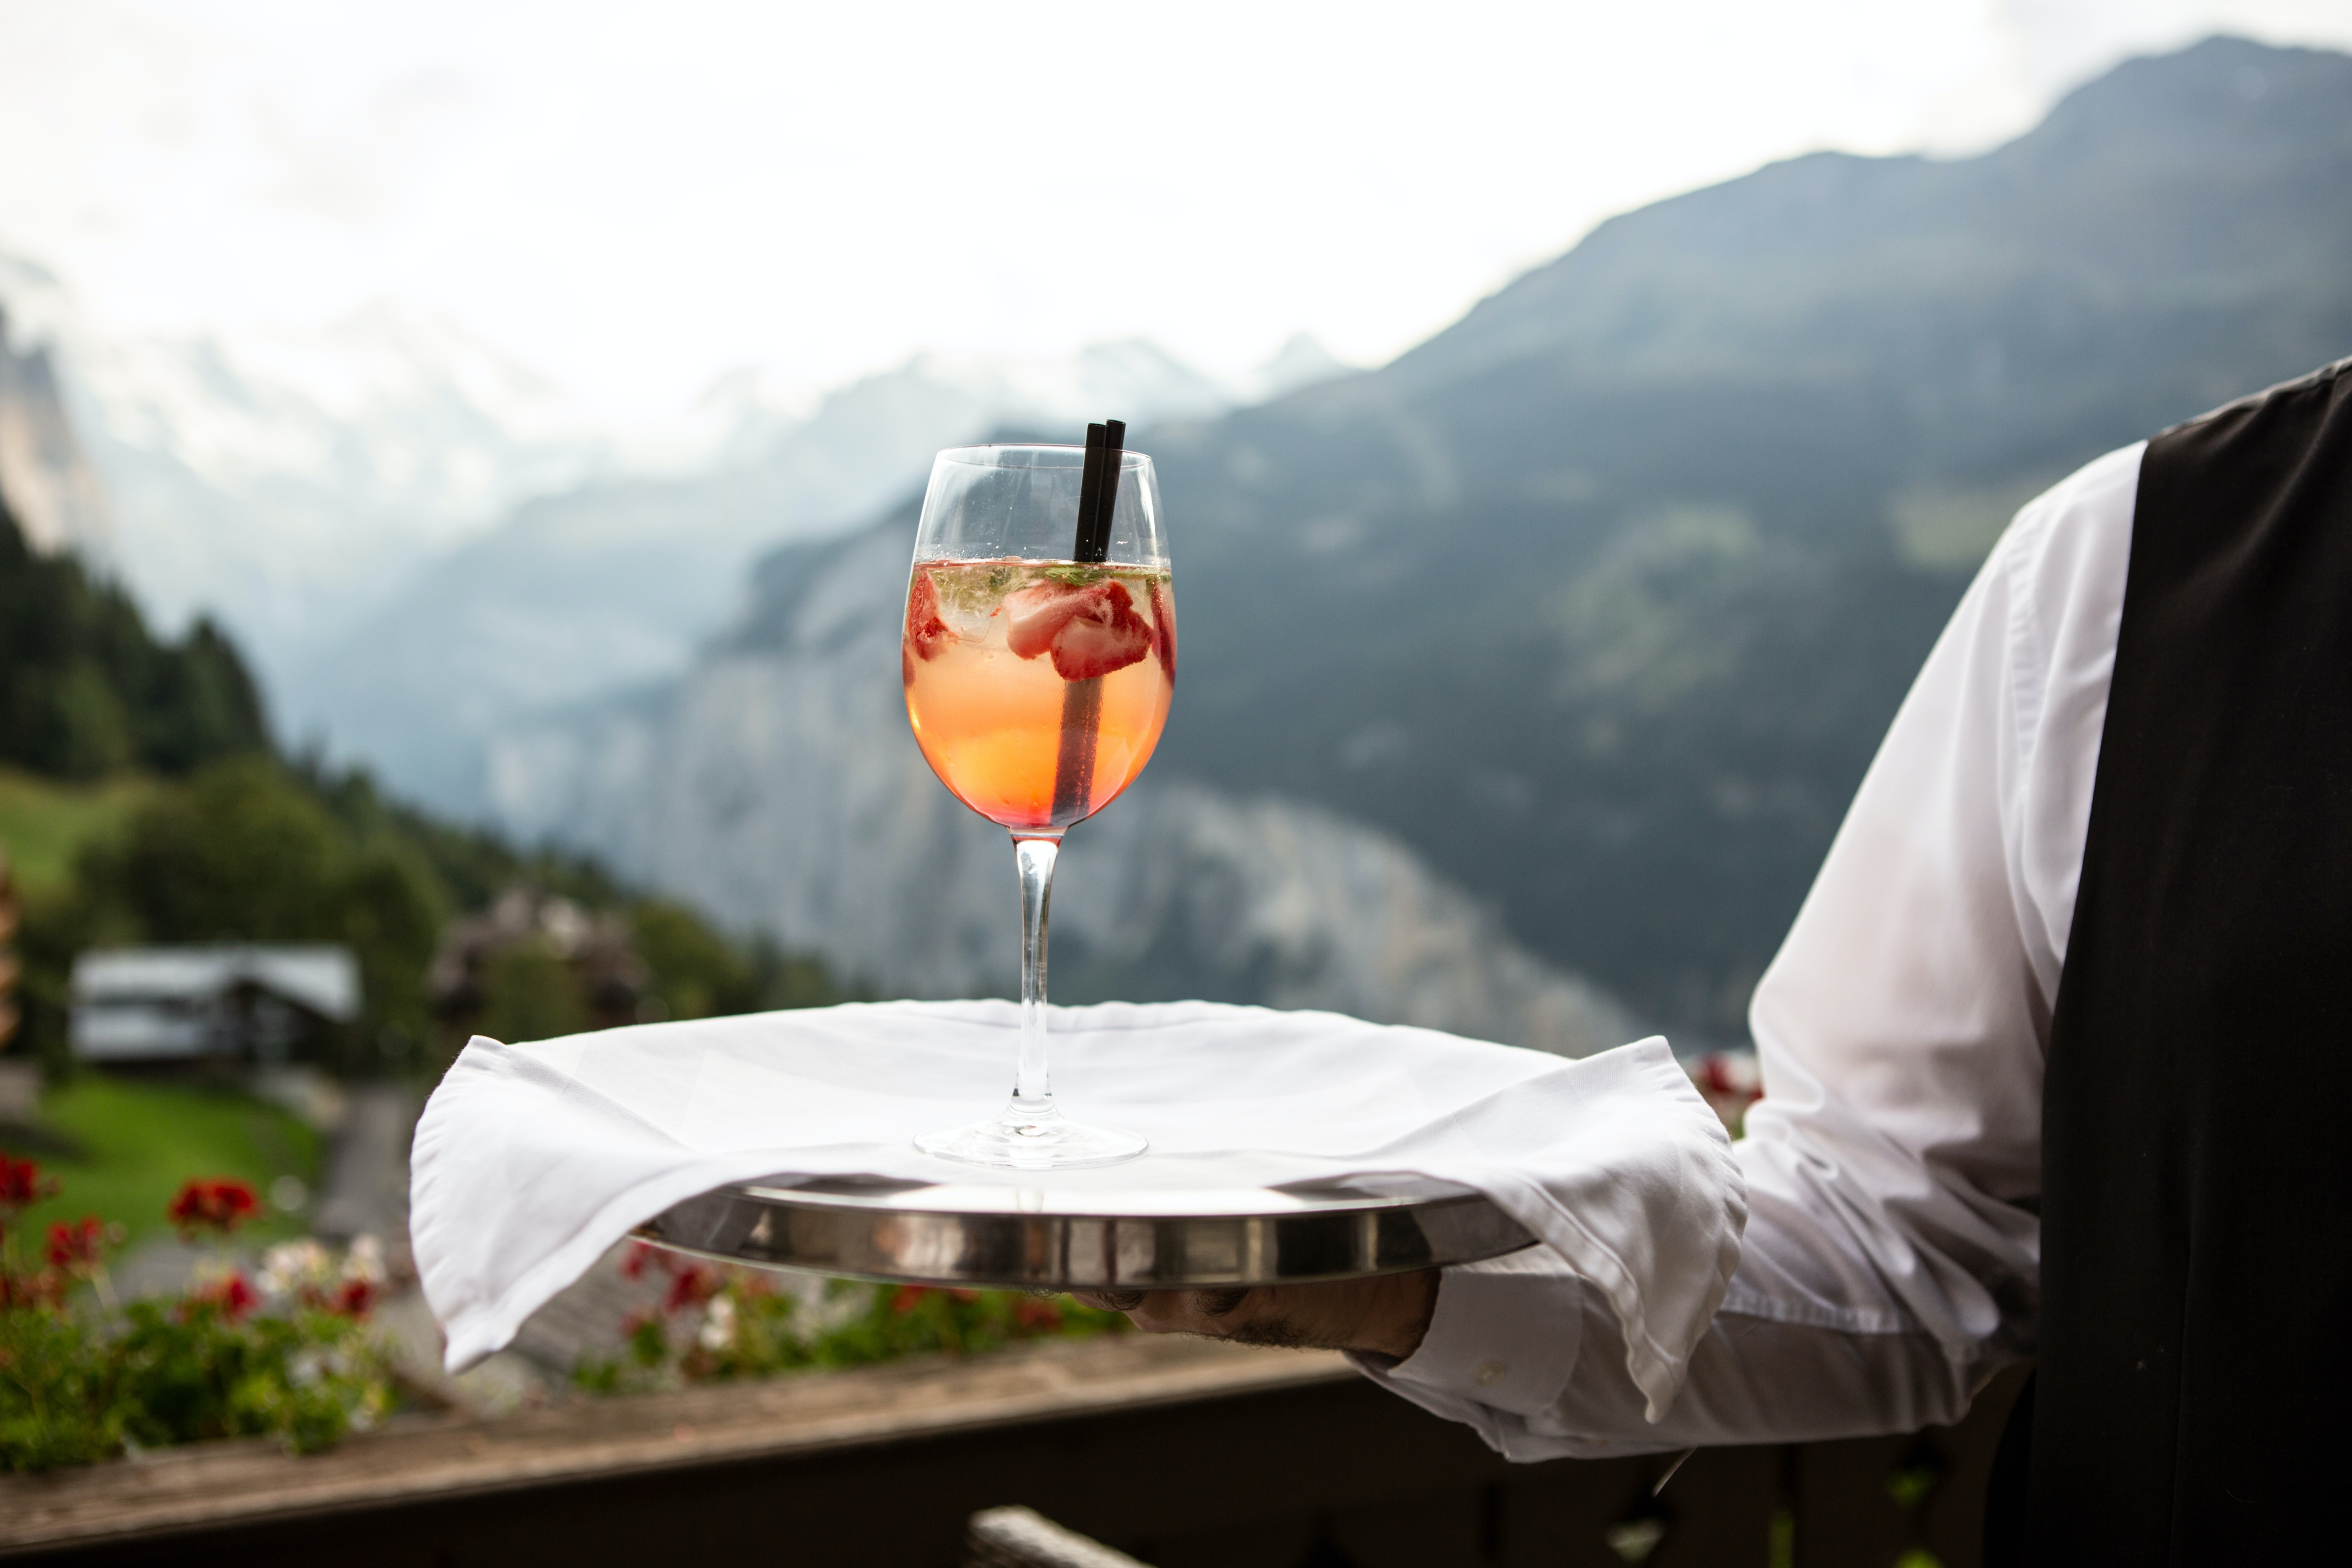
(86,691)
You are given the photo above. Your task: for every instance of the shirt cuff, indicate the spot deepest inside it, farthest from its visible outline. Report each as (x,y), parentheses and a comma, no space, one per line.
(1504,1334)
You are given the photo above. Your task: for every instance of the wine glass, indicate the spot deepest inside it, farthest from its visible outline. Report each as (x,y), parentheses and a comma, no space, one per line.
(1039,657)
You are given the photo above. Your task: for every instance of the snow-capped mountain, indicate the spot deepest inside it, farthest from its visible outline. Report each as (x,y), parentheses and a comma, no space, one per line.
(400,412)
(288,481)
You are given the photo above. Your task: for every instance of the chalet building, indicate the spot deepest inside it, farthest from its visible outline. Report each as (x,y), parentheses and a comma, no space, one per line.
(607,982)
(260,1005)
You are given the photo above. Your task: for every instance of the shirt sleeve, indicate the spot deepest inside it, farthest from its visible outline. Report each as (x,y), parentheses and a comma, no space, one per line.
(1500,1346)
(1891,1261)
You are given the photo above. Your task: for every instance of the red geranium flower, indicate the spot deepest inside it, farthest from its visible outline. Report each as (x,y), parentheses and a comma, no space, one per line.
(907,1296)
(1041,1317)
(76,1248)
(21,1182)
(231,1295)
(213,1203)
(691,1286)
(352,1299)
(44,1288)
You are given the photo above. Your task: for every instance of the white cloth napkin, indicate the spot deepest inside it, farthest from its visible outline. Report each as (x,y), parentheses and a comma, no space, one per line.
(532,1159)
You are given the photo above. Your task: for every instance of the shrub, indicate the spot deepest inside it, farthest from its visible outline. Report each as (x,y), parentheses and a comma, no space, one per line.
(717,1322)
(83,1379)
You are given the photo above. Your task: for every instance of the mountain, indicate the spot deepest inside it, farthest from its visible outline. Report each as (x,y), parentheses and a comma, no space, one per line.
(776,787)
(46,480)
(1599,601)
(1601,598)
(1301,361)
(285,482)
(616,583)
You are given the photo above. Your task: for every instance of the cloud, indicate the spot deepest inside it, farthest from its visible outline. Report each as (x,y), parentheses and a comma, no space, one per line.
(359,165)
(636,199)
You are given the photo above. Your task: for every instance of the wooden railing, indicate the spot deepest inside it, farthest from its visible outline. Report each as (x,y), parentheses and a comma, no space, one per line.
(1182,1453)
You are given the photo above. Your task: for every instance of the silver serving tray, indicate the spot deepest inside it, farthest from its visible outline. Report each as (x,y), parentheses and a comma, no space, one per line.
(869,1227)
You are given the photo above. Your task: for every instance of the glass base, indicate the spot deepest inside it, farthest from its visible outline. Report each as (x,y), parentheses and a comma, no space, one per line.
(1022,1141)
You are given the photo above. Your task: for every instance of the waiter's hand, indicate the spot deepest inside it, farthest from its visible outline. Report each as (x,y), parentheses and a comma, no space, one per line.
(1386,1315)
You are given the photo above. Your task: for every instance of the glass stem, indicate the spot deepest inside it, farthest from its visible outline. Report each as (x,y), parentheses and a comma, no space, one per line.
(1033,1089)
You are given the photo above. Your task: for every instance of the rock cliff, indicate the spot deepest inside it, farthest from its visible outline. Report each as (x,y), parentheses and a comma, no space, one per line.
(45,481)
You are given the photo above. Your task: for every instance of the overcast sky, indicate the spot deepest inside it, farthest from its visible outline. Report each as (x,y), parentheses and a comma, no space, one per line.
(637,198)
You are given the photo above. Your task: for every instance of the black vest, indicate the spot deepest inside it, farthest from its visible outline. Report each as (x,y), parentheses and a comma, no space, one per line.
(2196,1341)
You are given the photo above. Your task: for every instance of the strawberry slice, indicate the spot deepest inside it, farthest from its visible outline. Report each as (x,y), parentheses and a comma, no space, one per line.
(1090,631)
(1163,628)
(1032,614)
(1108,635)
(927,633)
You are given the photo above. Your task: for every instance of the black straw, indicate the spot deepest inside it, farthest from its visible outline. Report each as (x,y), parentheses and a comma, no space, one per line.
(1073,770)
(1099,490)
(1089,487)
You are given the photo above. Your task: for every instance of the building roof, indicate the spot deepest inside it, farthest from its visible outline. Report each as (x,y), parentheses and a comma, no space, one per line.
(320,976)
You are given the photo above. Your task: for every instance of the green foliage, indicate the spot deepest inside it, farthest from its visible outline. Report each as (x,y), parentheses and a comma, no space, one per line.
(697,973)
(58,1402)
(54,926)
(80,720)
(895,1321)
(138,1141)
(44,824)
(472,865)
(540,969)
(188,1370)
(76,1388)
(86,691)
(241,855)
(388,910)
(530,994)
(721,1323)
(795,980)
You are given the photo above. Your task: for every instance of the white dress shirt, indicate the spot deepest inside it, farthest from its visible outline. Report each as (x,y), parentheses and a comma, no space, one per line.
(1891,1261)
